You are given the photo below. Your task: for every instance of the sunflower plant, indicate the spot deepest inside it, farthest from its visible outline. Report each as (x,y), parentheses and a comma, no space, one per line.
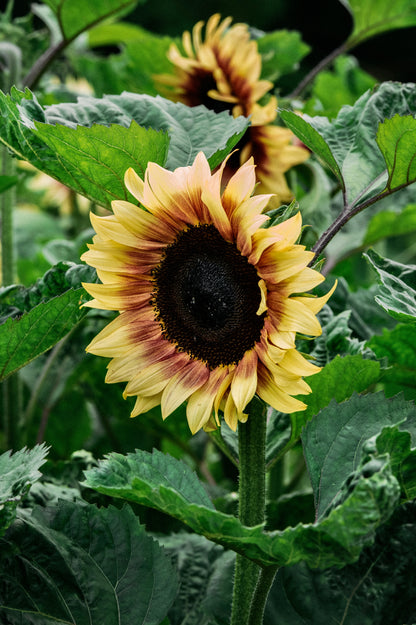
(243,287)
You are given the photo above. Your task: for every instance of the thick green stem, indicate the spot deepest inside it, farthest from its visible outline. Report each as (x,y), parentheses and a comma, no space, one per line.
(252,492)
(7,199)
(261,593)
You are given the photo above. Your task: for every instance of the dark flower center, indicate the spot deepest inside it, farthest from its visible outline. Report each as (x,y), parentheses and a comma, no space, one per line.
(197,89)
(206,297)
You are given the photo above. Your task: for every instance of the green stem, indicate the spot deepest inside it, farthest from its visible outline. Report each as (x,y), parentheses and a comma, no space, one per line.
(7,199)
(258,605)
(252,494)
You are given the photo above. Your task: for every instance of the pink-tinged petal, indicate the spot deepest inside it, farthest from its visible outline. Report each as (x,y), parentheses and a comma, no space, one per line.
(199,409)
(261,240)
(110,229)
(215,212)
(144,404)
(139,358)
(223,388)
(282,340)
(244,382)
(127,295)
(240,186)
(153,379)
(247,227)
(134,184)
(182,385)
(143,224)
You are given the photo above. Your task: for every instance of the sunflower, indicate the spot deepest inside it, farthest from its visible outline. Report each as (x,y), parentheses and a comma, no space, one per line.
(208,297)
(222,71)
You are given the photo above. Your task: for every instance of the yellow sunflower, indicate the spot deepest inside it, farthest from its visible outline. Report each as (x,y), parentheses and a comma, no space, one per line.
(208,298)
(222,71)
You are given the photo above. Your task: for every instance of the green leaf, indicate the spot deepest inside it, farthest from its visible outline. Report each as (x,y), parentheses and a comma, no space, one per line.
(7,182)
(74,16)
(331,90)
(398,346)
(396,140)
(281,52)
(88,145)
(336,540)
(81,565)
(403,459)
(203,585)
(397,293)
(378,16)
(18,472)
(376,590)
(36,331)
(338,380)
(93,161)
(391,223)
(335,439)
(348,145)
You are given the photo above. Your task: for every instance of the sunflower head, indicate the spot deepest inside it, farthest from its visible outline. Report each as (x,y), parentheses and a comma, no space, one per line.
(208,298)
(220,70)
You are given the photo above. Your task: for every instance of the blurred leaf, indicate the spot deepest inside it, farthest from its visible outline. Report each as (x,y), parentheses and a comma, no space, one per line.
(338,539)
(331,90)
(281,52)
(18,472)
(403,459)
(7,182)
(376,590)
(391,224)
(96,140)
(200,566)
(335,440)
(338,380)
(397,293)
(75,16)
(378,16)
(399,347)
(348,143)
(82,565)
(143,55)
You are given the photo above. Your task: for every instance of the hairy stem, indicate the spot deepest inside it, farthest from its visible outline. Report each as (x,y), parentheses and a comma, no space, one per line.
(252,493)
(261,593)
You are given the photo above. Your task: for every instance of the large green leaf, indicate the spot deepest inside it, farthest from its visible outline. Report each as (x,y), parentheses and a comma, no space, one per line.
(336,540)
(338,380)
(348,145)
(17,473)
(377,16)
(397,292)
(75,16)
(396,138)
(398,346)
(88,145)
(335,439)
(79,565)
(376,590)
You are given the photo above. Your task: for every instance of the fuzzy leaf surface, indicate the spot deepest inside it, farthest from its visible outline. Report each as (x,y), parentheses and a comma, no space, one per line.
(378,16)
(18,472)
(85,566)
(348,146)
(88,145)
(336,540)
(336,438)
(397,291)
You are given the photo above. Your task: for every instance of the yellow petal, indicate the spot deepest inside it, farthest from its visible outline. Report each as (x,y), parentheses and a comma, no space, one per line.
(134,184)
(244,383)
(200,404)
(182,385)
(144,404)
(296,317)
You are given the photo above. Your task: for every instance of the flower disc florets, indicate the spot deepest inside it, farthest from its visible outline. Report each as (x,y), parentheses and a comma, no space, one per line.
(208,299)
